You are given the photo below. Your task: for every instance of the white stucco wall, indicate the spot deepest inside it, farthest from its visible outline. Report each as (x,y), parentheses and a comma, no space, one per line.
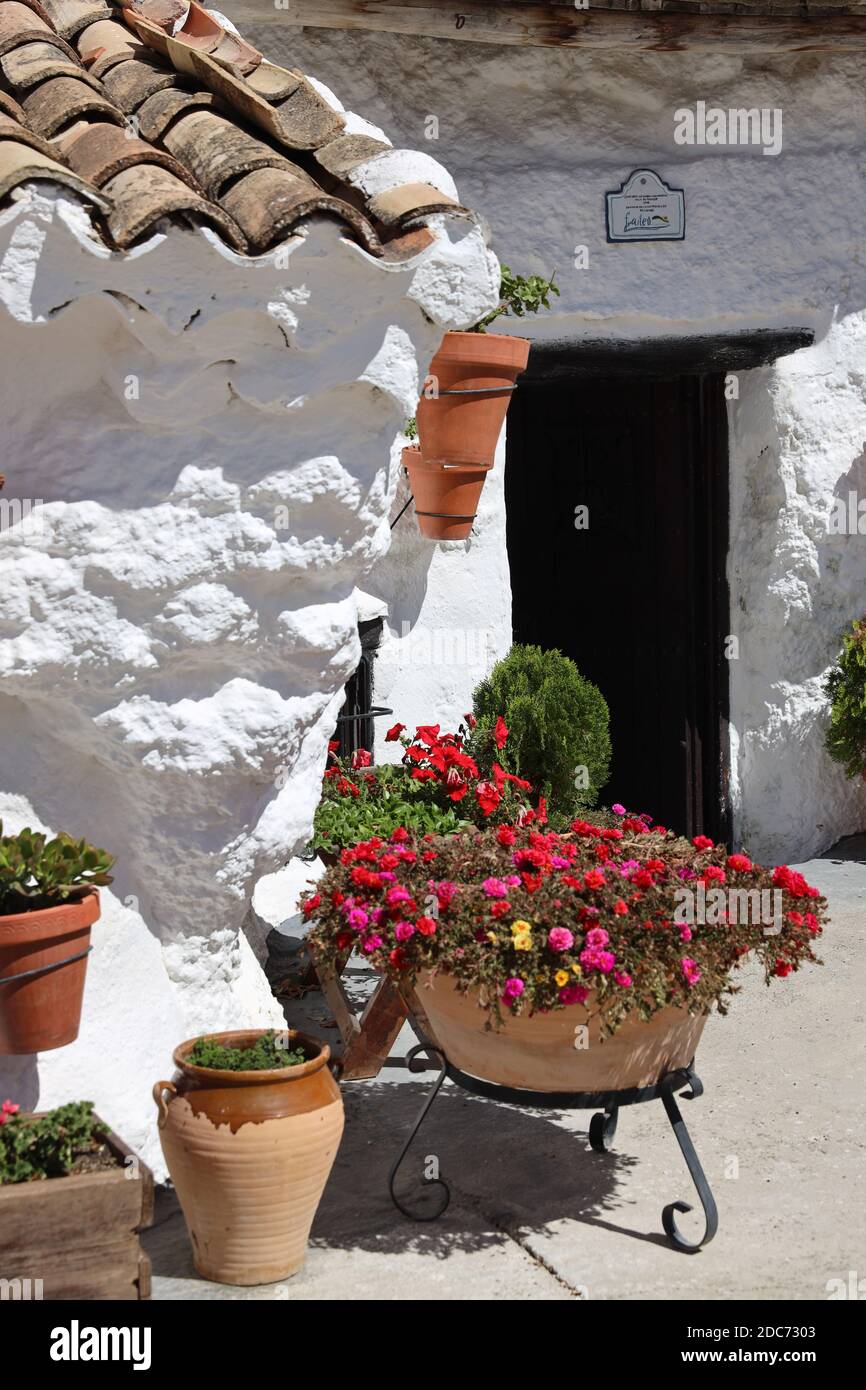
(206,439)
(535,138)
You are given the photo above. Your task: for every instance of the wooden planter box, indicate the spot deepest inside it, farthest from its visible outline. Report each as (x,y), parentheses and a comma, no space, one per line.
(78,1235)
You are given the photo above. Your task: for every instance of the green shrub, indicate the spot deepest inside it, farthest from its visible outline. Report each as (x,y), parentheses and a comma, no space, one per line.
(520,295)
(47,1146)
(846,687)
(267,1053)
(557,724)
(36,872)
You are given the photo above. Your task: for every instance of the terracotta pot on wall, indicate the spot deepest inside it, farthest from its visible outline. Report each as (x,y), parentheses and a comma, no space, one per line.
(43,1011)
(249,1153)
(463,427)
(538,1053)
(446,496)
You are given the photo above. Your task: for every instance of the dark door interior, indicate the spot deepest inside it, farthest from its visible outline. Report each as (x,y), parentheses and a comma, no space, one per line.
(638,599)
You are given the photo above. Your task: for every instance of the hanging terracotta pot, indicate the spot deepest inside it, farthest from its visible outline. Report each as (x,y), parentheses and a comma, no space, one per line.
(546,1052)
(446,495)
(474,374)
(249,1153)
(44,956)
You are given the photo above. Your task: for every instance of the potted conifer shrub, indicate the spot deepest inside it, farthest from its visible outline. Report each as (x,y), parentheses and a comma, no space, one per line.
(462,410)
(507,942)
(48,904)
(846,688)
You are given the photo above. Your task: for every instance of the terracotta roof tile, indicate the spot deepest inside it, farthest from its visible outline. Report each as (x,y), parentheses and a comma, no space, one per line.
(69,17)
(268,202)
(58,101)
(227,138)
(144,195)
(100,151)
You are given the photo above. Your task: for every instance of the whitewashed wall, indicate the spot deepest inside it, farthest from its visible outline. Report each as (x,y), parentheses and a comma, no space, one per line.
(208,442)
(535,138)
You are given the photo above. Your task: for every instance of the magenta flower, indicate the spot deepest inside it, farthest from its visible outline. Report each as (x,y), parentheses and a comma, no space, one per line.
(617,809)
(685,933)
(395,896)
(560,939)
(597,937)
(495,888)
(690,970)
(559,863)
(371,944)
(358,918)
(404,931)
(623,979)
(606,961)
(573,994)
(513,988)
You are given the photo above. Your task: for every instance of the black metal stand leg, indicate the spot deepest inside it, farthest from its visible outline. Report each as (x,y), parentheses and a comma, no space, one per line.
(445,1191)
(693,1163)
(602,1128)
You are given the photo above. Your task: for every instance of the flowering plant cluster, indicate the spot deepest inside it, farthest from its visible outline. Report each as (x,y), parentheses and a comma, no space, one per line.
(601,917)
(46,1146)
(445,782)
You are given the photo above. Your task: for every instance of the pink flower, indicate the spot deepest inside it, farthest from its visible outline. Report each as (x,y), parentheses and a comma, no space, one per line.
(7,1110)
(597,937)
(623,978)
(617,809)
(560,939)
(690,970)
(395,896)
(573,994)
(685,933)
(371,944)
(404,930)
(495,888)
(558,862)
(358,918)
(606,962)
(512,989)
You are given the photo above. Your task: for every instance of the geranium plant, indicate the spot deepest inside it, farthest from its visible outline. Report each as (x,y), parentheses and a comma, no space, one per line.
(438,787)
(37,872)
(616,919)
(846,687)
(46,1146)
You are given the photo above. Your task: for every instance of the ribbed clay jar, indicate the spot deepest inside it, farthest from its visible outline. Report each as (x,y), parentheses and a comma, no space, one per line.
(249,1153)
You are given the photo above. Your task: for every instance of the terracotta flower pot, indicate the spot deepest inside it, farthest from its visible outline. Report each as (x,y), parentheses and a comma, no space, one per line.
(538,1053)
(43,1011)
(249,1153)
(456,425)
(446,496)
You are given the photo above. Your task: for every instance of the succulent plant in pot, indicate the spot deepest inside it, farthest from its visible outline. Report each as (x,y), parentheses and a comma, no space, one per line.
(48,904)
(462,410)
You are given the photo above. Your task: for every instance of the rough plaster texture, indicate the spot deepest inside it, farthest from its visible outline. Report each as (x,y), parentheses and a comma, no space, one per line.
(205,441)
(535,138)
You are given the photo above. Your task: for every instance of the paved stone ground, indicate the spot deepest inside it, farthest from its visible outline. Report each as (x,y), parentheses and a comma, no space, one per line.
(535,1214)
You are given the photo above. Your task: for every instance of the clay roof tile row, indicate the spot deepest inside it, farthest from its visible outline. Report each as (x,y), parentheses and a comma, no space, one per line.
(152,110)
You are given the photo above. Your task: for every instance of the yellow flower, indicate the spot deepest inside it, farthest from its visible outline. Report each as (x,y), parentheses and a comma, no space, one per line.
(522,941)
(577,970)
(491,936)
(562,977)
(520,926)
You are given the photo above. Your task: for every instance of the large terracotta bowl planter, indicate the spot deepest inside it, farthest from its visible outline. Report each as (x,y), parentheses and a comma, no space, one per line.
(538,1053)
(48,950)
(474,374)
(446,495)
(249,1153)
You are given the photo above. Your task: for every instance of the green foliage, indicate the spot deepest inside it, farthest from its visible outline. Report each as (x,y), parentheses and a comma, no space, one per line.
(384,799)
(520,295)
(410,429)
(846,687)
(557,724)
(46,1147)
(268,1052)
(36,872)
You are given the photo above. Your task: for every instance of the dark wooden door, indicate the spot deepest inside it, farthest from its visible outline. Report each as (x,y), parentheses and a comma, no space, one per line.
(638,599)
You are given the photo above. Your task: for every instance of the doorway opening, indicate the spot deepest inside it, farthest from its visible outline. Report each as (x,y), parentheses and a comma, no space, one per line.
(634,587)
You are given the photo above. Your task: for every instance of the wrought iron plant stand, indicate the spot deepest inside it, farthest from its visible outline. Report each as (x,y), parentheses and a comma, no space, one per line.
(602,1129)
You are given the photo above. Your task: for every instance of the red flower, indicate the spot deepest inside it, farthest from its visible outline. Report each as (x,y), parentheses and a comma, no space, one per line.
(428,733)
(344,940)
(426,926)
(394,733)
(505,835)
(311,904)
(500,732)
(642,879)
(400,835)
(701,842)
(783,968)
(398,958)
(620,908)
(594,879)
(361,758)
(500,909)
(471,721)
(488,797)
(740,863)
